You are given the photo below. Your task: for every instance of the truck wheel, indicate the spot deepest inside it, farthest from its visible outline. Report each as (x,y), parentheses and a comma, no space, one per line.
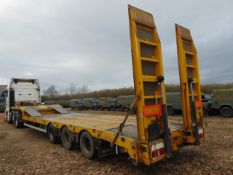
(87,145)
(52,134)
(17,120)
(226,111)
(9,118)
(66,138)
(170,110)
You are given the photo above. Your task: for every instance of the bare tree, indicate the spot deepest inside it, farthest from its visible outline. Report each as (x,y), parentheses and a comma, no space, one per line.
(83,89)
(72,89)
(51,92)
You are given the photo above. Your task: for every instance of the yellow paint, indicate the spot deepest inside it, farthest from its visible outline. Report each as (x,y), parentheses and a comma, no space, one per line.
(188,61)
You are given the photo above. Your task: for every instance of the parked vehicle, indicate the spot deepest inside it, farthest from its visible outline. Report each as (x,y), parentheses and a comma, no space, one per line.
(75,103)
(21,92)
(107,103)
(2,104)
(89,103)
(49,102)
(124,102)
(174,104)
(3,100)
(66,104)
(222,102)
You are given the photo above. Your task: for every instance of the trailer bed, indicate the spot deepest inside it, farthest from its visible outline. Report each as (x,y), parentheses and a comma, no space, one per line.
(103,122)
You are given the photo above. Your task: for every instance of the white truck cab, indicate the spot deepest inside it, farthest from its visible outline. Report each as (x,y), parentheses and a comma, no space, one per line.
(21,92)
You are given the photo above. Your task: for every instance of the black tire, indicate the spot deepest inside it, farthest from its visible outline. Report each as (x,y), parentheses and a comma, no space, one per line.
(87,145)
(122,108)
(66,138)
(170,110)
(52,135)
(18,119)
(9,118)
(226,111)
(205,112)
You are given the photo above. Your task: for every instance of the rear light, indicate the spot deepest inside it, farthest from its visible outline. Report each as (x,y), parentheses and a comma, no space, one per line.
(201,132)
(157,150)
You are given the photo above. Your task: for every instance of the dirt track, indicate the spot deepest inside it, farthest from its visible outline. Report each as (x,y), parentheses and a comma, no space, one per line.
(25,151)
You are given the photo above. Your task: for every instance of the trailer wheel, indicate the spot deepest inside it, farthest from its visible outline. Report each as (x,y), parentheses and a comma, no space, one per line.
(226,111)
(66,138)
(52,134)
(87,145)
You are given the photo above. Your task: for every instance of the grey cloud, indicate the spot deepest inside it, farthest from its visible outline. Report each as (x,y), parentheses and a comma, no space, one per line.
(87,42)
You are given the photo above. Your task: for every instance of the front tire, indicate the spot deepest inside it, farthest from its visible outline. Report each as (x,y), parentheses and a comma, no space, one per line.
(18,119)
(226,111)
(87,145)
(9,118)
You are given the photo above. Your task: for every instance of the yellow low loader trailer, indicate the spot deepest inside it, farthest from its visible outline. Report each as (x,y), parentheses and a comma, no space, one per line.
(147,137)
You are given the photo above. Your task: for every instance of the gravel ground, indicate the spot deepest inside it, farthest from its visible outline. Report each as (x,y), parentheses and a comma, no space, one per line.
(25,151)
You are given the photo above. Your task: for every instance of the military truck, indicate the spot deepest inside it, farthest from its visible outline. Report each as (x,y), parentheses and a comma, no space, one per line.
(107,103)
(124,102)
(174,105)
(75,103)
(49,102)
(89,103)
(84,103)
(63,103)
(222,102)
(66,104)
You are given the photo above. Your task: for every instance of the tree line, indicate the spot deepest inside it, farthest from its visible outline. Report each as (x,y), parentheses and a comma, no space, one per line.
(73,92)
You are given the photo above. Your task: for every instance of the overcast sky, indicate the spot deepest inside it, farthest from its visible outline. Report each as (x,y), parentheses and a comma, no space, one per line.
(87,42)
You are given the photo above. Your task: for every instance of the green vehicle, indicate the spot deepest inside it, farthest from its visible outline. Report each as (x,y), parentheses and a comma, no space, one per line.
(222,102)
(49,102)
(63,103)
(66,104)
(84,103)
(75,103)
(89,103)
(174,105)
(107,103)
(124,102)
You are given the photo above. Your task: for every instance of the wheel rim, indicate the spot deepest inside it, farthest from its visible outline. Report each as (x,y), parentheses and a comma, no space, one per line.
(87,145)
(226,112)
(51,134)
(66,138)
(16,121)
